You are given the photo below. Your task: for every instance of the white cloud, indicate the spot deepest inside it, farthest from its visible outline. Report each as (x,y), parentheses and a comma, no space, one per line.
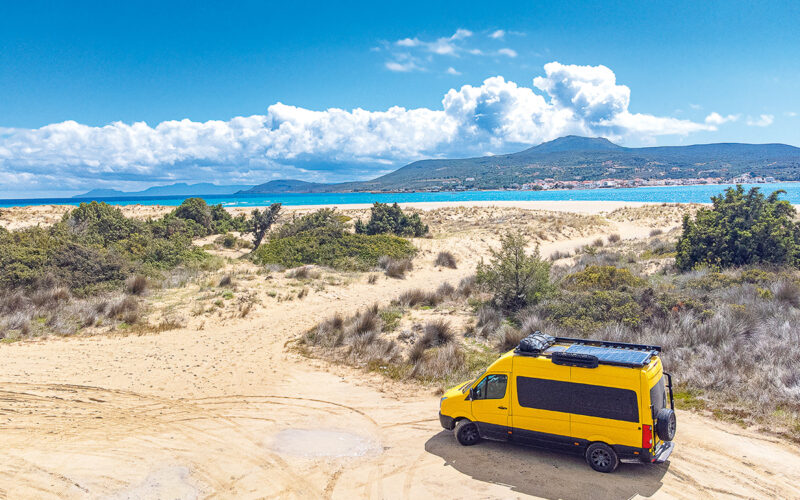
(334,144)
(760,121)
(425,53)
(452,71)
(715,118)
(401,66)
(790,114)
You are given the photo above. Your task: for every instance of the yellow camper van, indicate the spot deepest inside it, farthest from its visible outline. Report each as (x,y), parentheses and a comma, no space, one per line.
(608,401)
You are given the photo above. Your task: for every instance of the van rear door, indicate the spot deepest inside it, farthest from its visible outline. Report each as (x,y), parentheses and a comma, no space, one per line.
(490,398)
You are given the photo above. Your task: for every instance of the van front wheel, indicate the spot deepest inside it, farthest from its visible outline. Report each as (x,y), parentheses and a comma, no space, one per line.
(601,457)
(466,432)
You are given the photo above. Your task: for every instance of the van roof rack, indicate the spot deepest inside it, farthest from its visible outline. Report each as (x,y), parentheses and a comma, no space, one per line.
(589,353)
(604,343)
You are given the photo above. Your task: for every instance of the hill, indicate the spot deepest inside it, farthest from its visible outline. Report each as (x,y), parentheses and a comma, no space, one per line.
(178,189)
(574,158)
(287,186)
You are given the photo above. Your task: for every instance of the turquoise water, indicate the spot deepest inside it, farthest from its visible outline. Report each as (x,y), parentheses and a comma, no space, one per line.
(671,194)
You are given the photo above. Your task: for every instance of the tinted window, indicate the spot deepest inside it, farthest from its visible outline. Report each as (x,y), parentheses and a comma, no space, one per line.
(491,387)
(658,397)
(582,399)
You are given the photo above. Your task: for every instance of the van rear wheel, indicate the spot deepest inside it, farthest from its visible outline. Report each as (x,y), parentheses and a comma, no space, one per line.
(466,432)
(601,457)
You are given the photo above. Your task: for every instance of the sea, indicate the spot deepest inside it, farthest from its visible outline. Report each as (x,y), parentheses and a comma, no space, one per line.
(660,194)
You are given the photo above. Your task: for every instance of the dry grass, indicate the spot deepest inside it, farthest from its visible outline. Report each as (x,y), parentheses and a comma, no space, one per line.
(136,285)
(395,268)
(303,273)
(446,259)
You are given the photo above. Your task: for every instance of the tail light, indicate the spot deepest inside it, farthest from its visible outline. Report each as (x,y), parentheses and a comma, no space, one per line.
(647,436)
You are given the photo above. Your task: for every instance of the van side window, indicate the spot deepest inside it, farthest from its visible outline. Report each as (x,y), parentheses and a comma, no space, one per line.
(491,387)
(658,397)
(581,399)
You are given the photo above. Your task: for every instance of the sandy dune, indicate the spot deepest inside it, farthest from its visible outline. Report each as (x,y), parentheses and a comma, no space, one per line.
(228,412)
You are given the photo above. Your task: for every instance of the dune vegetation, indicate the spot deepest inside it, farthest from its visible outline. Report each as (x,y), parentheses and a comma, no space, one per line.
(728,331)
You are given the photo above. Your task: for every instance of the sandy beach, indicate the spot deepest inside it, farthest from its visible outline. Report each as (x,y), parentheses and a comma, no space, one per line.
(222,407)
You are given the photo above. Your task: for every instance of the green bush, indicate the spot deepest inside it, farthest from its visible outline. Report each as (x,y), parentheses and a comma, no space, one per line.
(740,229)
(337,249)
(515,278)
(325,218)
(95,246)
(602,277)
(386,218)
(587,311)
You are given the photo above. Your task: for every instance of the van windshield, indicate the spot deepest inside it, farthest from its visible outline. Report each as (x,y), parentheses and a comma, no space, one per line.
(658,397)
(464,388)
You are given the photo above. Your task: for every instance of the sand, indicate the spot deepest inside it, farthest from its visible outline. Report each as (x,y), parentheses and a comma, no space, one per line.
(222,409)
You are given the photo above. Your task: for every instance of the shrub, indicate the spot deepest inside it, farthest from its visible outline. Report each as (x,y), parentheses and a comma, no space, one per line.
(602,277)
(437,332)
(614,238)
(302,273)
(656,232)
(339,250)
(446,259)
(558,255)
(489,320)
(515,278)
(417,297)
(195,209)
(396,268)
(506,337)
(740,229)
(137,285)
(391,219)
(325,218)
(598,242)
(226,280)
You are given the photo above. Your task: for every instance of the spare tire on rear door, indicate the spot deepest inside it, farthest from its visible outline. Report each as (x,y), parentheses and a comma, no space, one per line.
(666,424)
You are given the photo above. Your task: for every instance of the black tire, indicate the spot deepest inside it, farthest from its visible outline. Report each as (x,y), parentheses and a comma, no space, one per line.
(601,457)
(466,433)
(666,424)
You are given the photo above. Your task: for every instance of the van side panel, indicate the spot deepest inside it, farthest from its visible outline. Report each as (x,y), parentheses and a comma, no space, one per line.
(532,425)
(617,397)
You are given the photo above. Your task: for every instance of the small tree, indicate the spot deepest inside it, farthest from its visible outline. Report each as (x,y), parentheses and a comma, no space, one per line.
(386,218)
(262,221)
(740,229)
(515,278)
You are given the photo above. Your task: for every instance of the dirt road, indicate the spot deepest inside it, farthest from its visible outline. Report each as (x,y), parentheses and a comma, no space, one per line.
(227,412)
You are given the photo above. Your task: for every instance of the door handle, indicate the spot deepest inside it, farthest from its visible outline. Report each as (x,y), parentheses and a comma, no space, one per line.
(502,408)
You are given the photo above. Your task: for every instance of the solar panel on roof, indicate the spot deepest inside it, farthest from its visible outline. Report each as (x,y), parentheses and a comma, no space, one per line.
(611,355)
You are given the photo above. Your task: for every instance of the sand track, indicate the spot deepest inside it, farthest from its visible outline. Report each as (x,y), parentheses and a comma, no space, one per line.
(197,413)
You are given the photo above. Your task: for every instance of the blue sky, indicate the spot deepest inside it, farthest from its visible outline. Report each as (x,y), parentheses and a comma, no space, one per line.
(116,94)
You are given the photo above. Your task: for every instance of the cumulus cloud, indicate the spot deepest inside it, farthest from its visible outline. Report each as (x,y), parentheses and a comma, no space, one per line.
(715,118)
(507,52)
(497,34)
(452,71)
(760,121)
(334,144)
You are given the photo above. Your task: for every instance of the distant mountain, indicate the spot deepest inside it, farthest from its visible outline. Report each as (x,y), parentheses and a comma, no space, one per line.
(288,186)
(583,158)
(179,189)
